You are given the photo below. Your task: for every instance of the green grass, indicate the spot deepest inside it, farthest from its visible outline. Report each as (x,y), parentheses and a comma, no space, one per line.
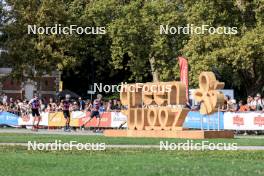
(15,160)
(21,138)
(19,161)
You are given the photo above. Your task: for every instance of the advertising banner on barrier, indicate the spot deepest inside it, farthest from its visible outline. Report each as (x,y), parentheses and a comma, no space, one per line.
(27,120)
(105,120)
(57,119)
(78,114)
(117,118)
(244,121)
(198,121)
(228,120)
(9,119)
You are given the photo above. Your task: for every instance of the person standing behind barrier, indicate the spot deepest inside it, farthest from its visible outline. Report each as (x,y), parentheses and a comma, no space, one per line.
(24,109)
(4,99)
(1,107)
(66,112)
(35,107)
(81,104)
(52,107)
(243,107)
(109,106)
(88,106)
(259,105)
(251,103)
(262,100)
(42,105)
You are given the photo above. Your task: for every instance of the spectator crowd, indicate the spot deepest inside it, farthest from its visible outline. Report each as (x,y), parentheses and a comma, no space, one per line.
(253,103)
(22,107)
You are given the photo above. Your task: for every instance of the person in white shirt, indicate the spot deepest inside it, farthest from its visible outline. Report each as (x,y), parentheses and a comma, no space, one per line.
(259,103)
(4,99)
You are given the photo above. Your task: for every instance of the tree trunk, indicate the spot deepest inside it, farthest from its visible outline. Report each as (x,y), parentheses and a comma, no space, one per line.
(154,72)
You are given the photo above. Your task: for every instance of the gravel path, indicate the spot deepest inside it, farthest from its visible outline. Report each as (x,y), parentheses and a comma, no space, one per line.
(88,132)
(139,146)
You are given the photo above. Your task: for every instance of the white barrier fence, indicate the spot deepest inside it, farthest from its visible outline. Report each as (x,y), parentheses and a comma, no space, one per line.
(227,121)
(244,121)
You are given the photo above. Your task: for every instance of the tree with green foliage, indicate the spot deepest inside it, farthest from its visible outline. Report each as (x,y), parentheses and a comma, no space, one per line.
(1,11)
(35,54)
(238,58)
(133,48)
(1,28)
(136,35)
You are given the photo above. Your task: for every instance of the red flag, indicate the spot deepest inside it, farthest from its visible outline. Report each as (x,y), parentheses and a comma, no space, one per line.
(184,74)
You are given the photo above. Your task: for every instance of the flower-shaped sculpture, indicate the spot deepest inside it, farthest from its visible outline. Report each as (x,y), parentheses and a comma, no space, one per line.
(207,94)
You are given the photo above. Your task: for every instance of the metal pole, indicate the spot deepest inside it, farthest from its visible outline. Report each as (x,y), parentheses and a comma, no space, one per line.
(214,123)
(218,128)
(208,122)
(201,122)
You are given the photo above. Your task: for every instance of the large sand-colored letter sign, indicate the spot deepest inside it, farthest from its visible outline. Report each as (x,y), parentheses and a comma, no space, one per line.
(157,109)
(208,95)
(150,105)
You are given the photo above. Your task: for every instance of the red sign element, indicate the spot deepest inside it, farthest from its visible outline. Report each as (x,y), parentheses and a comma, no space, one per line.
(105,120)
(259,120)
(184,74)
(238,120)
